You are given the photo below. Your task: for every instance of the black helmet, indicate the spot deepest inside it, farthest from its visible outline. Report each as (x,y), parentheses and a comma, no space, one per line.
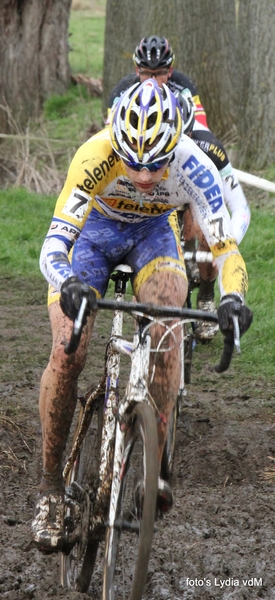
(154,53)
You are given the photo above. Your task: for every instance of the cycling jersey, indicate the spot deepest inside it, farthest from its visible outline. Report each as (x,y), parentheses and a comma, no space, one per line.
(209,144)
(97,180)
(176,82)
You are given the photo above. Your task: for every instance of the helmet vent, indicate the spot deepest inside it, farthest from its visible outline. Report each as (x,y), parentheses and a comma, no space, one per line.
(133,119)
(152,119)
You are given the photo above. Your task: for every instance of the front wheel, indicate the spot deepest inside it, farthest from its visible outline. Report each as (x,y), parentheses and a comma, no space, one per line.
(128,543)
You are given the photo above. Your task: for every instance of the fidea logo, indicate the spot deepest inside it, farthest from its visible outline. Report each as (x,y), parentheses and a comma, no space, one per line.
(204,179)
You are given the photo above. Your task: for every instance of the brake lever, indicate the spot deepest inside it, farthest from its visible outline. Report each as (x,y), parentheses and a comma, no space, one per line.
(73,343)
(237,336)
(78,323)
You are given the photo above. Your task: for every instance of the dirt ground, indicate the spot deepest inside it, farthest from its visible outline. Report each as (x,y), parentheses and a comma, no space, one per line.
(219,540)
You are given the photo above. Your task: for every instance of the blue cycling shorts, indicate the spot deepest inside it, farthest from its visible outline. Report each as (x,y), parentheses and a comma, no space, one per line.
(149,246)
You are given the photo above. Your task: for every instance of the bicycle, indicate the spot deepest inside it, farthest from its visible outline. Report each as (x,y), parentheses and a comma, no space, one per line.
(114,448)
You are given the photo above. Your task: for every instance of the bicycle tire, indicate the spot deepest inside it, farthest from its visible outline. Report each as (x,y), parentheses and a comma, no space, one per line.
(77,565)
(124,575)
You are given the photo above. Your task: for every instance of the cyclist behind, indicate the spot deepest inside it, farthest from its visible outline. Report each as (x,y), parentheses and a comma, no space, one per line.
(118,205)
(154,57)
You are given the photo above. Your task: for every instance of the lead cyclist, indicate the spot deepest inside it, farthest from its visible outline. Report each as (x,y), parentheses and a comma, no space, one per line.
(154,57)
(118,204)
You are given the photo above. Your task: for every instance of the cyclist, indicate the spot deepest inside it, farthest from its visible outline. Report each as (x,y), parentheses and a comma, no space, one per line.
(154,57)
(118,205)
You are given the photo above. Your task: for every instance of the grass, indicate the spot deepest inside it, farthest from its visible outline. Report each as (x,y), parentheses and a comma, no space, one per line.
(26,217)
(69,117)
(86,35)
(258,352)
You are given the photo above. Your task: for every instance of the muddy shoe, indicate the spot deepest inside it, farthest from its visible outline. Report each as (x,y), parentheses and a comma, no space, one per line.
(205,330)
(48,523)
(164,497)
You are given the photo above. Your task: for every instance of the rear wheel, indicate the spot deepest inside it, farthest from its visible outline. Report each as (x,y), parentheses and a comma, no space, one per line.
(77,565)
(128,543)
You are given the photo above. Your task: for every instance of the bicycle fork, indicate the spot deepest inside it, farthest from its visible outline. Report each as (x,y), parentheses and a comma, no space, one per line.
(136,391)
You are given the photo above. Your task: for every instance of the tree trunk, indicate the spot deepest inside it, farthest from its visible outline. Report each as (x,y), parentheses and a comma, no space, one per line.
(124,27)
(256,82)
(205,46)
(33,55)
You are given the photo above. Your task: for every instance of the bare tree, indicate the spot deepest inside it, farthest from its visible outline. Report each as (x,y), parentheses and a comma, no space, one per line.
(256,82)
(123,29)
(204,38)
(33,54)
(202,35)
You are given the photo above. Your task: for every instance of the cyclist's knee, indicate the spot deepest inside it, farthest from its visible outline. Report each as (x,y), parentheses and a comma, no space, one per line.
(72,364)
(165,288)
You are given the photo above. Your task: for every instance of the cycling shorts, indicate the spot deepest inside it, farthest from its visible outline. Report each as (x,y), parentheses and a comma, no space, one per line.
(149,246)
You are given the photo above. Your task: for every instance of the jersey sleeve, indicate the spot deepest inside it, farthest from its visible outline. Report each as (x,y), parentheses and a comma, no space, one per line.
(207,204)
(233,193)
(200,114)
(88,172)
(236,202)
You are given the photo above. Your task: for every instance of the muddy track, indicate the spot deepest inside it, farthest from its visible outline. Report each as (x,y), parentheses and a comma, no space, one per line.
(219,540)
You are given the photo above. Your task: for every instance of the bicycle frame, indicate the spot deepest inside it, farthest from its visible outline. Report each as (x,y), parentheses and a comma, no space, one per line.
(116,412)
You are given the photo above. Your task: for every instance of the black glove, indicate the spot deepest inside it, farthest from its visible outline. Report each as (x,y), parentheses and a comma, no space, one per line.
(230,305)
(71,296)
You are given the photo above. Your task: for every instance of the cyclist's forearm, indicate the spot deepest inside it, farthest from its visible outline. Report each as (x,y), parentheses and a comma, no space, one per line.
(232,270)
(54,262)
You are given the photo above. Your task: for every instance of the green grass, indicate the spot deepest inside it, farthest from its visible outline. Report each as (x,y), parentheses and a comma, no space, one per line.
(86,35)
(26,218)
(257,357)
(69,117)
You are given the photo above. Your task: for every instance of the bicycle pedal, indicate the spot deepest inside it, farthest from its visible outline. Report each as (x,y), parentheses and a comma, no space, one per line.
(69,523)
(74,491)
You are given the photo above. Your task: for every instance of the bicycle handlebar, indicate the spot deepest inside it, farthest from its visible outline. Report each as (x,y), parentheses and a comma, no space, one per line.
(157,311)
(198,256)
(231,341)
(147,309)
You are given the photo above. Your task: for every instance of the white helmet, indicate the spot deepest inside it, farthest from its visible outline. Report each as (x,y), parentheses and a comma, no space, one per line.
(145,123)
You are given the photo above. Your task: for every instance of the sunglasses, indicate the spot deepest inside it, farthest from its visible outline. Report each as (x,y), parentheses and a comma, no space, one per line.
(159,73)
(152,167)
